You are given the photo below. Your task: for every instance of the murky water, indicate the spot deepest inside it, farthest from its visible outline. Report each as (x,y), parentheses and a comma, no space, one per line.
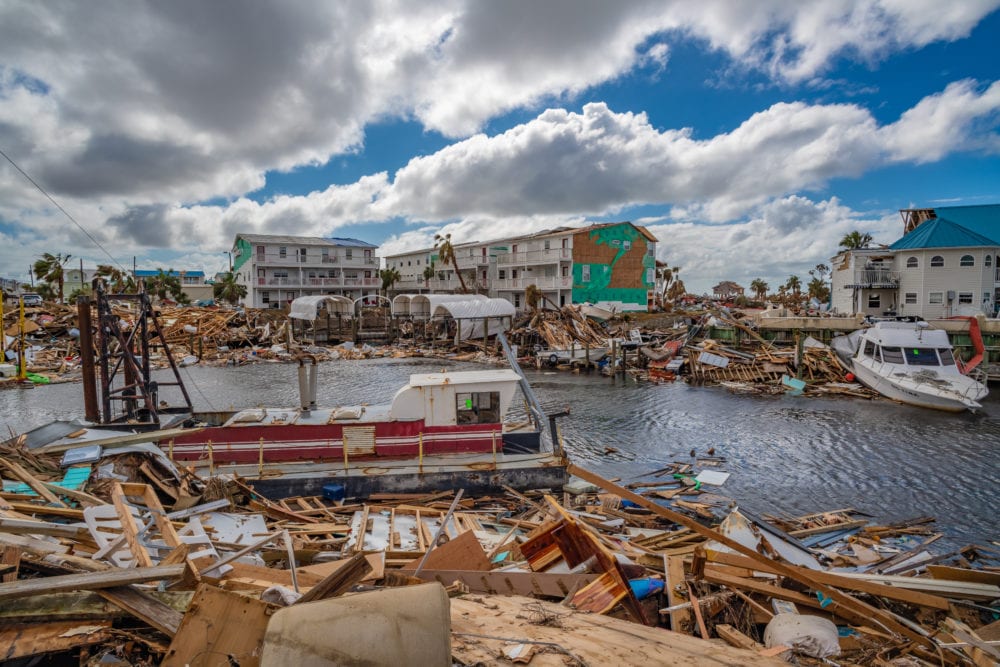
(787,454)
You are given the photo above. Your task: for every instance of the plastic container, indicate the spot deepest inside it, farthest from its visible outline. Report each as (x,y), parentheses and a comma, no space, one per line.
(333,491)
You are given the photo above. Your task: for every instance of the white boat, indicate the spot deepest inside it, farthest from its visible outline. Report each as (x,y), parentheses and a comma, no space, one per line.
(596,312)
(911,363)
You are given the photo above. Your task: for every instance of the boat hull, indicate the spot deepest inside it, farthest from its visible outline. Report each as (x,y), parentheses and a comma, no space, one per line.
(910,392)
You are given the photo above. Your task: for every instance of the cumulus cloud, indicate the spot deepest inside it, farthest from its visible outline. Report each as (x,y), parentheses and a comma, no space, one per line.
(152,121)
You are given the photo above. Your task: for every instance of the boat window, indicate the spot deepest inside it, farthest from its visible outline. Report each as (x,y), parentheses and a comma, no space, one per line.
(481,407)
(869,348)
(922,356)
(947,357)
(892,355)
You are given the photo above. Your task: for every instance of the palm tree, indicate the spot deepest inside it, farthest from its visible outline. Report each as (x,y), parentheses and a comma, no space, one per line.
(228,289)
(759,287)
(428,274)
(818,289)
(164,284)
(118,281)
(446,252)
(50,269)
(389,278)
(532,296)
(855,240)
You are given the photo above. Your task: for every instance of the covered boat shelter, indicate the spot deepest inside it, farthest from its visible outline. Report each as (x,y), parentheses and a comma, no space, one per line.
(329,316)
(422,306)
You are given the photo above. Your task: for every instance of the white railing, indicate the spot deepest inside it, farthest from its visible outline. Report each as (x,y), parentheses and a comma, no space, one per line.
(294,259)
(543,256)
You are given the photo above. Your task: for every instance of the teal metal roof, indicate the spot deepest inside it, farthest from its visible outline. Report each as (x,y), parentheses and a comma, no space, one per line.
(941,233)
(983,219)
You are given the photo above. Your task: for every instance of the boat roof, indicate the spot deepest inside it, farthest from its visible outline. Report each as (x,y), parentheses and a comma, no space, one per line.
(907,334)
(463,377)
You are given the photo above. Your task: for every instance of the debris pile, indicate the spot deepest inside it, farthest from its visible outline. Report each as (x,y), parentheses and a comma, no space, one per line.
(130,558)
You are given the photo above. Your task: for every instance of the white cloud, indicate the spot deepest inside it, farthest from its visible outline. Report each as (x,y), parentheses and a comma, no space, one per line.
(131,113)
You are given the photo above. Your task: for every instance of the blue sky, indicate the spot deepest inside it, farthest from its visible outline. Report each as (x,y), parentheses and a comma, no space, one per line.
(748,137)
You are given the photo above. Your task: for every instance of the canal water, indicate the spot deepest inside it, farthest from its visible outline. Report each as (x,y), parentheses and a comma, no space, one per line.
(791,455)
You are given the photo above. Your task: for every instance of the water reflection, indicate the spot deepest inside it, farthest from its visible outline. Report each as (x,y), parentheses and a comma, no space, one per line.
(787,454)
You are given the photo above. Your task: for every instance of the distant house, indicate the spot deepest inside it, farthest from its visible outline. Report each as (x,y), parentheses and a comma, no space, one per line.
(945,264)
(277,269)
(74,279)
(726,290)
(192,282)
(611,265)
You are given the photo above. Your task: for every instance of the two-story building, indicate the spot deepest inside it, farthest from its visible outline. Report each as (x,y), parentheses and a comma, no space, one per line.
(277,269)
(192,283)
(938,268)
(611,265)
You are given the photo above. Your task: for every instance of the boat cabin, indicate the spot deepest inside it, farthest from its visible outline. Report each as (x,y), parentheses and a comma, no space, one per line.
(906,343)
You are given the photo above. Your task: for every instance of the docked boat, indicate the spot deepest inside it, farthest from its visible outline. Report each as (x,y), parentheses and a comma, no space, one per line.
(911,363)
(439,431)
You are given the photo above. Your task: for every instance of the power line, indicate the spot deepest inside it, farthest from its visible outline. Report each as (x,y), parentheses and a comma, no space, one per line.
(64,212)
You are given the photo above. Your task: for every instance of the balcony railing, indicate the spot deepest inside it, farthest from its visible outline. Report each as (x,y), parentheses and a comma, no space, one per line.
(875,279)
(544,282)
(293,259)
(536,256)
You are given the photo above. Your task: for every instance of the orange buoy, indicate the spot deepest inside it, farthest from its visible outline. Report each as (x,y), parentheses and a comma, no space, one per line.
(849,377)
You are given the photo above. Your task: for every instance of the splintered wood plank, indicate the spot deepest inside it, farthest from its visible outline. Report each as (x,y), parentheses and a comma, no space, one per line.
(88,581)
(591,639)
(144,607)
(460,553)
(25,640)
(129,528)
(36,485)
(218,624)
(10,555)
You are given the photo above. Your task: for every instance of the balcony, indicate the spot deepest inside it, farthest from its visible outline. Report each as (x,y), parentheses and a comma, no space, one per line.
(526,257)
(542,282)
(875,279)
(294,259)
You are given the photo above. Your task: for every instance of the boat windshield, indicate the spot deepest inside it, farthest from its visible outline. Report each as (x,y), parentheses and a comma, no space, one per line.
(947,357)
(892,355)
(921,356)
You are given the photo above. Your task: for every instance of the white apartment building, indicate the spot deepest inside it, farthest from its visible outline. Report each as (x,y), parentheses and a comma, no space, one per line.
(277,269)
(612,265)
(937,269)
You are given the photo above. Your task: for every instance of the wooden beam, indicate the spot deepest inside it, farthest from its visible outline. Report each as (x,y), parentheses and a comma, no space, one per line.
(23,641)
(835,579)
(839,600)
(89,581)
(32,481)
(144,607)
(512,583)
(336,583)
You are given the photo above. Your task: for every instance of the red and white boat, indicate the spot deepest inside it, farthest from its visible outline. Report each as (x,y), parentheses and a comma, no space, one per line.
(436,413)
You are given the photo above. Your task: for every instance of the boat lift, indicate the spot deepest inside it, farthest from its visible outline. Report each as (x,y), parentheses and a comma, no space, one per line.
(129,397)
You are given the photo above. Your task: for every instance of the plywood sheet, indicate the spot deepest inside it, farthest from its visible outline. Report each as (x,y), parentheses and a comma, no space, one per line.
(219,624)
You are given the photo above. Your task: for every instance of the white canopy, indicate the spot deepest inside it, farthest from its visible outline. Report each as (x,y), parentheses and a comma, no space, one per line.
(471,313)
(422,306)
(307,307)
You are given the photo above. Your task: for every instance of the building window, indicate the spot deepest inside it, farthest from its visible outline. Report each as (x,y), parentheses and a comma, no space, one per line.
(935,298)
(626,245)
(911,298)
(265,297)
(967,260)
(502,274)
(650,278)
(547,244)
(937,261)
(513,274)
(912,263)
(874,300)
(282,252)
(988,261)
(965,297)
(349,254)
(585,273)
(565,272)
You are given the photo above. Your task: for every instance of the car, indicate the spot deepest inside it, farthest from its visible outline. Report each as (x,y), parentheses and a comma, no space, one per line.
(31,299)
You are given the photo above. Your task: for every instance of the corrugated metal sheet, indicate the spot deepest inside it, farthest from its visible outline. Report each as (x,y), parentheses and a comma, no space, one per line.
(359,440)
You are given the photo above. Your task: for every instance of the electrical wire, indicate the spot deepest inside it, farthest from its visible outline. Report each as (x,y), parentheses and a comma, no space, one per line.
(64,211)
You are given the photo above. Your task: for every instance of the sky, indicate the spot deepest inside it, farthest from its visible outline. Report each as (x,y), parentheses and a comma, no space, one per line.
(748,137)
